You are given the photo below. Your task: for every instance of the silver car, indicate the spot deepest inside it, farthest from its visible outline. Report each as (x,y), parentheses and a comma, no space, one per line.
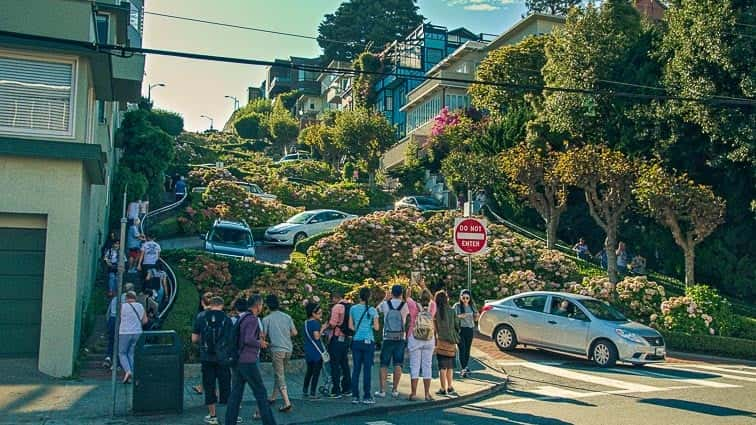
(573,324)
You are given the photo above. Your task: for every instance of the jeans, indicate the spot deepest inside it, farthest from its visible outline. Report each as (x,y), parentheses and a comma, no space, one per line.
(112,282)
(160,294)
(126,346)
(362,356)
(111,336)
(311,377)
(213,372)
(392,351)
(339,366)
(248,373)
(465,343)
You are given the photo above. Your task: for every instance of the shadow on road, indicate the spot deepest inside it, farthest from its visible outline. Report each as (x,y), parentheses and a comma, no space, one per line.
(496,417)
(696,407)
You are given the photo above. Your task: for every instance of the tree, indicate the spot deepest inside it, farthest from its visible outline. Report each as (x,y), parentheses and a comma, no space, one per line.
(362,89)
(363,135)
(553,7)
(319,139)
(283,127)
(168,121)
(469,171)
(533,176)
(360,24)
(254,125)
(691,211)
(607,178)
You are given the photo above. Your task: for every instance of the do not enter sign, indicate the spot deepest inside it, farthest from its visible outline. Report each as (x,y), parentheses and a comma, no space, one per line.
(470,236)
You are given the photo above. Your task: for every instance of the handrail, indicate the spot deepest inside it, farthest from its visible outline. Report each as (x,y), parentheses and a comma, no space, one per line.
(173,286)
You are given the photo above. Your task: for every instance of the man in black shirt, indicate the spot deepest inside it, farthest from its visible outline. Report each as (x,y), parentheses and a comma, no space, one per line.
(209,327)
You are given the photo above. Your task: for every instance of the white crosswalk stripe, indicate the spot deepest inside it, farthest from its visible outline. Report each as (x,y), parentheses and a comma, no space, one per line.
(730,369)
(706,370)
(593,379)
(379,423)
(700,382)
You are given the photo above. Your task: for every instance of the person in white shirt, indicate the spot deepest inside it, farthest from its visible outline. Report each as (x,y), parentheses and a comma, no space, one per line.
(133,317)
(150,255)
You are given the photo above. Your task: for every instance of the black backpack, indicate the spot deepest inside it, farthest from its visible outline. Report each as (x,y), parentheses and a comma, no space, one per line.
(227,353)
(215,333)
(344,325)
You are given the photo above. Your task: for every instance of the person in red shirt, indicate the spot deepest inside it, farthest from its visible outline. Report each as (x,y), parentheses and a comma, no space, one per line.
(338,348)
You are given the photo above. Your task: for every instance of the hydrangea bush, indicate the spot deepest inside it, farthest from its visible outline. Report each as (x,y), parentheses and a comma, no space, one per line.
(639,298)
(234,202)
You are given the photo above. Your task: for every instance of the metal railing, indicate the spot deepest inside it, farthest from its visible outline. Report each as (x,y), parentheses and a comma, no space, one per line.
(172,284)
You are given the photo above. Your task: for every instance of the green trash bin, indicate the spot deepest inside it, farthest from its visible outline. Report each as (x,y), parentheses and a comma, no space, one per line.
(158,374)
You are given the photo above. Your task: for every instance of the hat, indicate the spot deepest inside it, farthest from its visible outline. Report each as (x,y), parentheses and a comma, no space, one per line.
(128,287)
(397,290)
(465,292)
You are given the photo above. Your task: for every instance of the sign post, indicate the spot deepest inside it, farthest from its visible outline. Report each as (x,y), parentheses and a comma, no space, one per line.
(470,238)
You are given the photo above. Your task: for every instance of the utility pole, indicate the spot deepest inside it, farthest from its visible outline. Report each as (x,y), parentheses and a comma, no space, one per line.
(211,121)
(121,270)
(236,102)
(149,90)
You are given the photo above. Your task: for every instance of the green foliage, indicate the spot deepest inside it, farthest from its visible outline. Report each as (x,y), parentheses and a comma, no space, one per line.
(184,310)
(170,122)
(284,128)
(714,345)
(551,7)
(708,299)
(251,126)
(358,22)
(363,134)
(305,244)
(469,171)
(319,139)
(310,170)
(362,88)
(347,171)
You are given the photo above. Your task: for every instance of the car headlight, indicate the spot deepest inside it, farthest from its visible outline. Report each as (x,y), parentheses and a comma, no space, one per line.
(630,336)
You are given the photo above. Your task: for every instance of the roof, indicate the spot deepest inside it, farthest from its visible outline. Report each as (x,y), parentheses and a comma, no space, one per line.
(524,22)
(229,223)
(565,294)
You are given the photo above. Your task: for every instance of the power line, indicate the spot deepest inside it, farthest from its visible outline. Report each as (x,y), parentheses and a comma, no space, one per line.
(123,50)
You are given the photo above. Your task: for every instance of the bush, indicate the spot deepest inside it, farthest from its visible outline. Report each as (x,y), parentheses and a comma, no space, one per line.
(701,311)
(318,171)
(639,298)
(305,244)
(170,122)
(709,300)
(714,345)
(235,203)
(251,126)
(202,177)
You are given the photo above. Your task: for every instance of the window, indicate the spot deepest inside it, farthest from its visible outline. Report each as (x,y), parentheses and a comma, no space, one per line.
(101,117)
(388,102)
(532,302)
(36,96)
(102,29)
(135,16)
(562,307)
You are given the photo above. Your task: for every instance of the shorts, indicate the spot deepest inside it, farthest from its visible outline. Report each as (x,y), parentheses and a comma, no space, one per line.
(134,252)
(392,350)
(445,362)
(280,360)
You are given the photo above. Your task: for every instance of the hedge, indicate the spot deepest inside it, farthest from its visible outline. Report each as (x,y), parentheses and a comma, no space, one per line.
(182,315)
(714,345)
(303,245)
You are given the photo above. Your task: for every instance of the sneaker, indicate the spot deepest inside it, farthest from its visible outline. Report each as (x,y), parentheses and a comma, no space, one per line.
(368,401)
(395,394)
(212,420)
(239,419)
(314,396)
(356,400)
(451,393)
(380,394)
(441,392)
(107,363)
(334,395)
(346,393)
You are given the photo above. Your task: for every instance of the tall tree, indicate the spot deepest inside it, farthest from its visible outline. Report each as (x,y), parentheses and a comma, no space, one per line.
(360,25)
(554,7)
(607,178)
(284,128)
(363,135)
(533,176)
(691,211)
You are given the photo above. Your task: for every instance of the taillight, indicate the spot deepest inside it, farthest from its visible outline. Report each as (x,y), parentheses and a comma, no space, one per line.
(486,308)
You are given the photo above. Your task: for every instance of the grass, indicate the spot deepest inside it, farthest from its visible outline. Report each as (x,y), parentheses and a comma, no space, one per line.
(166,228)
(182,315)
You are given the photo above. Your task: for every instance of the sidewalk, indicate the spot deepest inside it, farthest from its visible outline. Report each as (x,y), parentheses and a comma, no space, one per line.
(28,397)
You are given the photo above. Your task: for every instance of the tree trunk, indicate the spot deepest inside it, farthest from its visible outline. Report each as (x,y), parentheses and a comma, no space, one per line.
(610,245)
(690,265)
(551,230)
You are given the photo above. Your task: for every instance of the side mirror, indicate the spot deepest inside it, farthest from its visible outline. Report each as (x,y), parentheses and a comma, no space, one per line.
(203,236)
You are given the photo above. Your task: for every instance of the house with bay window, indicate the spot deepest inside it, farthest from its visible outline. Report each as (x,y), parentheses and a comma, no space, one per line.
(60,106)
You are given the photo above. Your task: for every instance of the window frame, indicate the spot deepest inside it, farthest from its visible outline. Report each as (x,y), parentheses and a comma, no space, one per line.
(72,104)
(543,308)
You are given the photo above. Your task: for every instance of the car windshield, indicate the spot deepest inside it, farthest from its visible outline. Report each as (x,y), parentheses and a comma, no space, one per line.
(424,200)
(603,311)
(231,236)
(300,218)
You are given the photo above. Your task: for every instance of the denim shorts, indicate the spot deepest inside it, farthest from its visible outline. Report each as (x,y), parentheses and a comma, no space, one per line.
(392,351)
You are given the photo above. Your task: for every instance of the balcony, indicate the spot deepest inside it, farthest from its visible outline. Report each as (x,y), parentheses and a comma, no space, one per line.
(279,85)
(333,94)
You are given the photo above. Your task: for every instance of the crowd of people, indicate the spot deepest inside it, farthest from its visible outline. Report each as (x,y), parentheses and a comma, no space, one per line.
(626,262)
(230,348)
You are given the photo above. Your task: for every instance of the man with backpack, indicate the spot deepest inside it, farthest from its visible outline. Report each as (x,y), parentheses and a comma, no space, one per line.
(395,312)
(338,348)
(212,330)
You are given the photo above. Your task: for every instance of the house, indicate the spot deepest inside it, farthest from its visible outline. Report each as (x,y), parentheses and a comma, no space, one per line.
(424,102)
(335,86)
(254,93)
(285,77)
(60,105)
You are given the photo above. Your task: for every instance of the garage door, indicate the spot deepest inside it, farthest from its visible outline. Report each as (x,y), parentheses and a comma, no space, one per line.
(22,262)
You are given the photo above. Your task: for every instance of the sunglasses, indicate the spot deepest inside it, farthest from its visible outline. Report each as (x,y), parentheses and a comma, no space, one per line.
(465,297)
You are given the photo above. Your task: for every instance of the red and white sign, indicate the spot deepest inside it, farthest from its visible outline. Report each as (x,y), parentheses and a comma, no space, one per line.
(470,236)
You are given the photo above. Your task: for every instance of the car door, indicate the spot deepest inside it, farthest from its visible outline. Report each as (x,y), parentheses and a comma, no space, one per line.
(528,317)
(333,220)
(317,224)
(566,326)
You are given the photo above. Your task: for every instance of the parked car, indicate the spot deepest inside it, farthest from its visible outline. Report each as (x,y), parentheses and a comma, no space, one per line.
(297,156)
(252,188)
(231,239)
(420,203)
(570,323)
(305,224)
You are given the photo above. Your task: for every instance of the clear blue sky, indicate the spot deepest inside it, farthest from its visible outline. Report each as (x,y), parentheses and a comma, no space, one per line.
(194,88)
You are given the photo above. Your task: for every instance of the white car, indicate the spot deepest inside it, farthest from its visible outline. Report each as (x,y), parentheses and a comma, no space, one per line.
(298,156)
(305,224)
(252,188)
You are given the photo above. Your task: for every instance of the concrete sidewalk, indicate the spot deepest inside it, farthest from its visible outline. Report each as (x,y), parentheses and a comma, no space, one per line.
(30,397)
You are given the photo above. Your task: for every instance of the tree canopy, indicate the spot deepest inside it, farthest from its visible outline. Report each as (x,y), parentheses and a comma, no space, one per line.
(553,7)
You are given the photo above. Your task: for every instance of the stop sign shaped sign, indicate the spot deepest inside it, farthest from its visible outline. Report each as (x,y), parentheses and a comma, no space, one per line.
(470,236)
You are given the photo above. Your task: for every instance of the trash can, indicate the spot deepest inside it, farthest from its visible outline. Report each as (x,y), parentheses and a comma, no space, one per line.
(158,374)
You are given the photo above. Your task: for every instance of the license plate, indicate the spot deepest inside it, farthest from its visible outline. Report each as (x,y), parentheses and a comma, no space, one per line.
(659,351)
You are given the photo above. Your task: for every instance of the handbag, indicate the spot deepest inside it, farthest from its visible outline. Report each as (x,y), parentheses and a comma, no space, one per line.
(446,348)
(323,354)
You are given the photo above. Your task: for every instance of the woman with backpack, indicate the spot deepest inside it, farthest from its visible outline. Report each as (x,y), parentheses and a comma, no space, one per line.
(363,320)
(447,338)
(467,314)
(421,341)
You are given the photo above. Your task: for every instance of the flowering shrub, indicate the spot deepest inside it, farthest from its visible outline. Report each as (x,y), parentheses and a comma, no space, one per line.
(596,287)
(443,120)
(378,289)
(309,170)
(234,202)
(202,177)
(520,281)
(553,266)
(340,196)
(701,310)
(639,298)
(442,268)
(513,253)
(440,225)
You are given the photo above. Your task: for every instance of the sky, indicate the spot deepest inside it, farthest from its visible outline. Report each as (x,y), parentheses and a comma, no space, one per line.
(194,88)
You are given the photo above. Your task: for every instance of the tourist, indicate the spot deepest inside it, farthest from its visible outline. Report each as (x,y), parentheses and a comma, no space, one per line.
(313,349)
(134,244)
(338,347)
(240,306)
(111,263)
(204,304)
(581,249)
(247,371)
(395,313)
(157,282)
(363,320)
(278,327)
(150,306)
(133,318)
(467,314)
(622,257)
(421,341)
(111,321)
(447,338)
(112,237)
(180,188)
(149,256)
(210,328)
(132,211)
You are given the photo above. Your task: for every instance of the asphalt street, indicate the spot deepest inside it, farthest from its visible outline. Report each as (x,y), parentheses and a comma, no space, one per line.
(265,253)
(552,389)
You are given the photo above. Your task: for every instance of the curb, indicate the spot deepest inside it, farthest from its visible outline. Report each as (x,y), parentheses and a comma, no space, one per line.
(684,355)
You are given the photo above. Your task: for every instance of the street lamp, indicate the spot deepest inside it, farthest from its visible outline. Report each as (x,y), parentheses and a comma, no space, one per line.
(236,101)
(149,89)
(211,121)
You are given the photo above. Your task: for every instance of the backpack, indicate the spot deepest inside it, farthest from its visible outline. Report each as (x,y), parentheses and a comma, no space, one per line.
(423,325)
(393,325)
(227,352)
(344,325)
(213,334)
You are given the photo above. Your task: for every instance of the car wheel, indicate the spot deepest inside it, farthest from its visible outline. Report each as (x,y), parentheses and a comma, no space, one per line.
(299,237)
(505,338)
(604,353)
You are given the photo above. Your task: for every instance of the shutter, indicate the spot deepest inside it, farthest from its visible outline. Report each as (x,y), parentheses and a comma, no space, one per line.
(35,95)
